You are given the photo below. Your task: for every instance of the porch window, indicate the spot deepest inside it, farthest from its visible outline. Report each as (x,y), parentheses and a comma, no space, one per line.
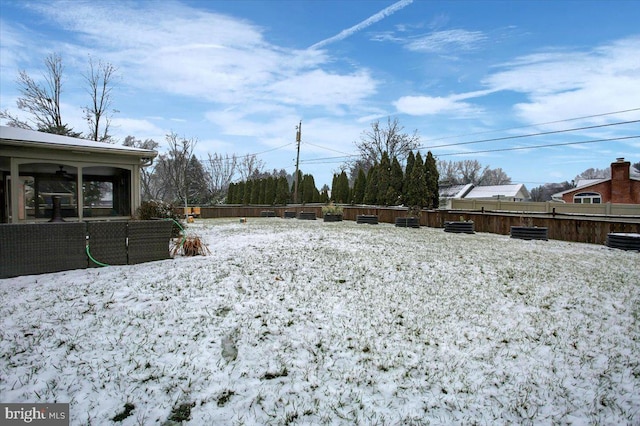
(106,191)
(39,188)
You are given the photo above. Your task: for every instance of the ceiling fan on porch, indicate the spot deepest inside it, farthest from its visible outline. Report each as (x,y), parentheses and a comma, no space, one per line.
(63,174)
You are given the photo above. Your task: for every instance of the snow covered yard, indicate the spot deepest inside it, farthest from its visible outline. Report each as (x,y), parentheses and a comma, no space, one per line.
(305,322)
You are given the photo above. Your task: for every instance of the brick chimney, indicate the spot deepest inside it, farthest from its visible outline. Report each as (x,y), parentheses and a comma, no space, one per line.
(621,182)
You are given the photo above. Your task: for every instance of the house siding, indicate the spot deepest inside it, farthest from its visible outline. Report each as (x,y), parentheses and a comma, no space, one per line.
(620,189)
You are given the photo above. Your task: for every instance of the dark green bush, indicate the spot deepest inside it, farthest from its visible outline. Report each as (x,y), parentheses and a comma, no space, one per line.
(153,210)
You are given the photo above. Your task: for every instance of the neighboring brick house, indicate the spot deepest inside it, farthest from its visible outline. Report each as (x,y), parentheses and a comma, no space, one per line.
(621,188)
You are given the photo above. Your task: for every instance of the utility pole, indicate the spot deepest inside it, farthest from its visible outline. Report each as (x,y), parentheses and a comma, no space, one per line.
(298,138)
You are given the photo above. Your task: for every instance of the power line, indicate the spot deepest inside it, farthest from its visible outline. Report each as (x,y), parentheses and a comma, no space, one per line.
(534,125)
(328,149)
(539,146)
(330,160)
(262,152)
(551,132)
(345,157)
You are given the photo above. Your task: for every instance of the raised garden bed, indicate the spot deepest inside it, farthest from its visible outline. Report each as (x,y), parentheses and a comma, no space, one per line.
(307,215)
(370,219)
(529,233)
(624,241)
(332,217)
(459,227)
(408,222)
(290,214)
(267,213)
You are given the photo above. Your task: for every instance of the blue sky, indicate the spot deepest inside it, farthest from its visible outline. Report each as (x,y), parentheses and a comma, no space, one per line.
(238,76)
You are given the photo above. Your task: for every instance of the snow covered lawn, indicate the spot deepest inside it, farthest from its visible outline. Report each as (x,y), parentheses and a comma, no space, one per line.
(305,322)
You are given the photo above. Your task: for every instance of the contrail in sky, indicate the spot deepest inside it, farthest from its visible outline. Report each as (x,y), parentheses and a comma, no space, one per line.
(364,24)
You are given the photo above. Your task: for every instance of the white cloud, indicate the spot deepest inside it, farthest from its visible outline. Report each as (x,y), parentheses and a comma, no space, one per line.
(429,105)
(123,127)
(573,84)
(319,88)
(446,41)
(206,56)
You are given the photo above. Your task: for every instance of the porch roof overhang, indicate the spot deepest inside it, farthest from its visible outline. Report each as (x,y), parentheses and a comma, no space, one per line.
(12,137)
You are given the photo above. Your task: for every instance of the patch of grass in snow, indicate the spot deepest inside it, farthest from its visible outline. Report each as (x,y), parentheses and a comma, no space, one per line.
(182,412)
(126,412)
(224,397)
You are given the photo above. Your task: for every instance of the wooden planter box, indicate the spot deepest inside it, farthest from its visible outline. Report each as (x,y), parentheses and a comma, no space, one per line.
(529,233)
(267,213)
(408,222)
(459,227)
(329,217)
(289,215)
(370,219)
(624,241)
(307,215)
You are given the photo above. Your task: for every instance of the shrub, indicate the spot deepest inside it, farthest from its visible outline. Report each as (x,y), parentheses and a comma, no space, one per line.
(150,210)
(331,209)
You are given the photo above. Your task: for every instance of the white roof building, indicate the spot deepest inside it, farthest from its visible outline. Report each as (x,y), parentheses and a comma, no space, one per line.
(515,192)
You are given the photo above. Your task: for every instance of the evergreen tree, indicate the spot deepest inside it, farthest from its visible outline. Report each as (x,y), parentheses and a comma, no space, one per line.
(384,178)
(340,188)
(334,186)
(432,177)
(238,193)
(371,190)
(324,194)
(198,193)
(282,191)
(406,184)
(417,191)
(270,191)
(293,186)
(310,193)
(248,189)
(359,186)
(394,193)
(231,189)
(255,192)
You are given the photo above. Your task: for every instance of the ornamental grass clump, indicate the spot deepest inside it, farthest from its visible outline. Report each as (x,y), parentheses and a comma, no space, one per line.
(191,246)
(331,209)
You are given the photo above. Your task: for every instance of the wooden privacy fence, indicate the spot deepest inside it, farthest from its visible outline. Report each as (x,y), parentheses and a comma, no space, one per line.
(39,248)
(583,229)
(605,209)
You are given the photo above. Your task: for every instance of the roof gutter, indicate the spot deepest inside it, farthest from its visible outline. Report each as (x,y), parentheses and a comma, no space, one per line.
(143,153)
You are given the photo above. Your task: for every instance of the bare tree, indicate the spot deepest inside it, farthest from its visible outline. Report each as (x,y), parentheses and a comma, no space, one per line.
(175,165)
(471,171)
(41,101)
(220,170)
(98,116)
(546,191)
(495,177)
(592,173)
(448,172)
(250,167)
(392,140)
